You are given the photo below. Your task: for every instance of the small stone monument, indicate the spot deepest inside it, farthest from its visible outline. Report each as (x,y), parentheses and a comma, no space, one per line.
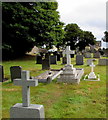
(46,62)
(69,74)
(92,76)
(53,59)
(96,55)
(25,109)
(79,60)
(15,72)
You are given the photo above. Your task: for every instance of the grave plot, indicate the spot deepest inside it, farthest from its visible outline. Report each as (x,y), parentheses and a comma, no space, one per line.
(70,74)
(48,76)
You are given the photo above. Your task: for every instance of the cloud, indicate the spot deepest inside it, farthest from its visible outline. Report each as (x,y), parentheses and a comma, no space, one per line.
(90,15)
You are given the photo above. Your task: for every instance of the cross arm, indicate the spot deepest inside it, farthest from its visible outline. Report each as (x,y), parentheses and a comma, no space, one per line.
(32,82)
(17,82)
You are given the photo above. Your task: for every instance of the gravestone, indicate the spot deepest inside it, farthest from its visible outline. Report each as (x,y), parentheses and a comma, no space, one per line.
(53,59)
(79,60)
(58,57)
(46,62)
(15,72)
(92,74)
(64,60)
(96,55)
(39,59)
(87,55)
(89,61)
(103,62)
(25,109)
(1,73)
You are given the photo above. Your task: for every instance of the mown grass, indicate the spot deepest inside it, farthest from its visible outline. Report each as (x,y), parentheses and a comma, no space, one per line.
(60,100)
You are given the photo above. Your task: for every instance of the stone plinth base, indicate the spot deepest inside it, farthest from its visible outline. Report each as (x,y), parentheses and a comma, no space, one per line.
(71,75)
(33,111)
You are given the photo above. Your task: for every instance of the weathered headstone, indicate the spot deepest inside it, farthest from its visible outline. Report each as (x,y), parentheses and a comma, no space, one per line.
(15,72)
(25,109)
(79,60)
(39,59)
(96,55)
(46,62)
(103,62)
(87,55)
(53,59)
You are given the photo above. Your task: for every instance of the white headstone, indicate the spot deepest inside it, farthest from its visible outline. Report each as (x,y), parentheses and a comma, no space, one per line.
(68,52)
(92,74)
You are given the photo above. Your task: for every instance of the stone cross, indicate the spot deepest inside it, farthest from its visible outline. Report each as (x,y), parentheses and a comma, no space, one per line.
(25,82)
(68,52)
(92,67)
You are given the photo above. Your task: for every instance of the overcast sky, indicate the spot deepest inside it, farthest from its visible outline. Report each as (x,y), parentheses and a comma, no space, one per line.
(90,15)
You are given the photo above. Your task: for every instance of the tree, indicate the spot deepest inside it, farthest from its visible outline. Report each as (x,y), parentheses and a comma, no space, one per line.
(86,38)
(105,38)
(72,34)
(78,37)
(27,24)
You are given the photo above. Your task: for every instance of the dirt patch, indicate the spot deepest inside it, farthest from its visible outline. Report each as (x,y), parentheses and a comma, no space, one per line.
(13,89)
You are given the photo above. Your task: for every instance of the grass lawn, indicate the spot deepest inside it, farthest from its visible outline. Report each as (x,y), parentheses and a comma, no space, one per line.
(86,100)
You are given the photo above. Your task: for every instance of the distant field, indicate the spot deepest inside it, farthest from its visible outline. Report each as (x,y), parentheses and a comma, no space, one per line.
(86,100)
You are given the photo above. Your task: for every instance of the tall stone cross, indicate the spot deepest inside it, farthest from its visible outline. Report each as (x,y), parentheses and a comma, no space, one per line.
(25,82)
(68,52)
(92,67)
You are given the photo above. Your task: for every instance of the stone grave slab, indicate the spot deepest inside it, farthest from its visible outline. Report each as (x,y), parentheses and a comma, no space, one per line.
(48,76)
(70,77)
(79,60)
(15,72)
(103,62)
